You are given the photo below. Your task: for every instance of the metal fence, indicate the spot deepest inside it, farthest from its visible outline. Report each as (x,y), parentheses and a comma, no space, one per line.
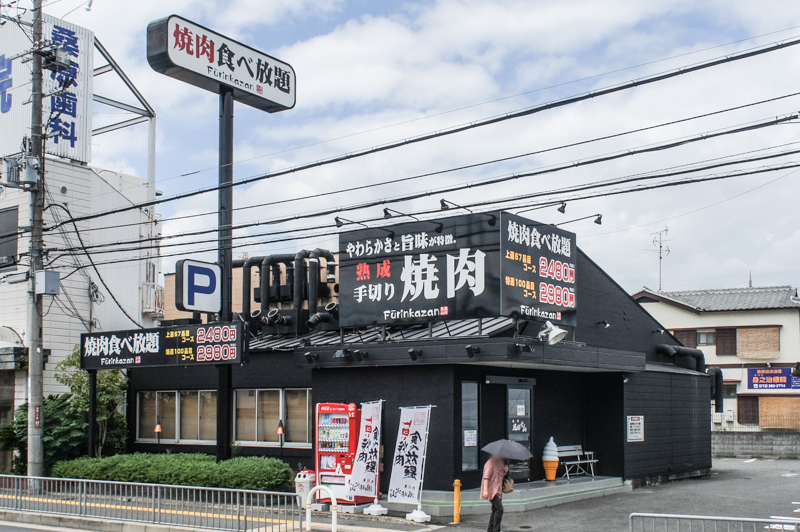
(729,422)
(641,522)
(196,507)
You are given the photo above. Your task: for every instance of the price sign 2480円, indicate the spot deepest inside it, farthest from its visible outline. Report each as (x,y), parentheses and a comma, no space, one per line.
(215,343)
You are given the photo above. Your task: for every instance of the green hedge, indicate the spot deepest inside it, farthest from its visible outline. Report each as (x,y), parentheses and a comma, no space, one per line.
(256,473)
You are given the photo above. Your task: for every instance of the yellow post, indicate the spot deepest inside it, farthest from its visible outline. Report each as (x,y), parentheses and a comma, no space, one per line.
(457,501)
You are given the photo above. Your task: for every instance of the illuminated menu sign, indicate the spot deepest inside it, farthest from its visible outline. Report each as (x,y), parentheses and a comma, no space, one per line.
(215,343)
(538,269)
(470,266)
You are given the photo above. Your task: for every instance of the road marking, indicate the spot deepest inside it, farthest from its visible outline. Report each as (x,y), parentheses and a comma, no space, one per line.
(789,475)
(751,460)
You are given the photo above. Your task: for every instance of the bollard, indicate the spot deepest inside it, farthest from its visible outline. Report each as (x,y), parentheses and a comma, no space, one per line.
(334,506)
(457,501)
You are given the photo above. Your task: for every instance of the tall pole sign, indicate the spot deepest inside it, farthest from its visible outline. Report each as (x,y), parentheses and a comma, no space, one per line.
(186,51)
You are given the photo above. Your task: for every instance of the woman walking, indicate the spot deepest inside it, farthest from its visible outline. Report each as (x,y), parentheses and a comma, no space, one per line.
(492,489)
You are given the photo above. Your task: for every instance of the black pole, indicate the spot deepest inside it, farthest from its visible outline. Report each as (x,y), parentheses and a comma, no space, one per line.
(92,410)
(225,221)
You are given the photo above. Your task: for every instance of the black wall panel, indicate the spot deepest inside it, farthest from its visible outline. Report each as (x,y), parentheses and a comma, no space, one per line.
(401,386)
(677,423)
(603,421)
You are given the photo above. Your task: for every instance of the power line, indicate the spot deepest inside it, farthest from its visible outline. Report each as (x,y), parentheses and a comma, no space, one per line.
(91,261)
(466,127)
(557,85)
(476,205)
(458,168)
(491,181)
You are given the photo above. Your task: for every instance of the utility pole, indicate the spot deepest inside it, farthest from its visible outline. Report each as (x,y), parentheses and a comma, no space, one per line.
(34,329)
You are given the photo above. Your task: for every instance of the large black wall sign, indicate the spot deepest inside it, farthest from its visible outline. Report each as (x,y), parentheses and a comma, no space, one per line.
(189,345)
(476,265)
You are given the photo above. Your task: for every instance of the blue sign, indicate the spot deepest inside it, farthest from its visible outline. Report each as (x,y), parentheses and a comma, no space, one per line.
(771,379)
(198,286)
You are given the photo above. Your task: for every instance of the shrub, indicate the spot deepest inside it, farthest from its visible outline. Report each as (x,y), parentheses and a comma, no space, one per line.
(257,473)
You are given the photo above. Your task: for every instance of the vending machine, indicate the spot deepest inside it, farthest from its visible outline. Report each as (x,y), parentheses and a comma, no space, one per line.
(336,445)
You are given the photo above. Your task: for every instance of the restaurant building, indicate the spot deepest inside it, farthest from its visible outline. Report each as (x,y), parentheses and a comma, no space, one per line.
(503,324)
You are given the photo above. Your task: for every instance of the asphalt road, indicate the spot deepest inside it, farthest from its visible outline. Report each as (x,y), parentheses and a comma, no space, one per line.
(736,488)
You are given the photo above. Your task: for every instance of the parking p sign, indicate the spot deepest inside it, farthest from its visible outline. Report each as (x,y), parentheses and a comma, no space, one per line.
(198,286)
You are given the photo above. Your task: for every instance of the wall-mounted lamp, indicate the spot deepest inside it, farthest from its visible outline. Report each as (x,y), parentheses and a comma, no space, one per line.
(388,213)
(471,350)
(562,208)
(445,205)
(624,380)
(525,347)
(604,323)
(599,219)
(660,331)
(360,354)
(414,353)
(342,353)
(552,334)
(157,430)
(311,357)
(279,432)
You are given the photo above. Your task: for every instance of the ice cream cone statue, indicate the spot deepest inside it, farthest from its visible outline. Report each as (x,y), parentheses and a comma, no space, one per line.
(550,460)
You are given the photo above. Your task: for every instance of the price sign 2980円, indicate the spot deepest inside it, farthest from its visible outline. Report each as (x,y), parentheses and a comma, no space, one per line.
(215,343)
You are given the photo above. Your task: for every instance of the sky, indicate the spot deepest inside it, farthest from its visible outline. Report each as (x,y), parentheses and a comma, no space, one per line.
(370,73)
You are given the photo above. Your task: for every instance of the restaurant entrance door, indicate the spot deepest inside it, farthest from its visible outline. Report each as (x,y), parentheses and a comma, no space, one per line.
(519,419)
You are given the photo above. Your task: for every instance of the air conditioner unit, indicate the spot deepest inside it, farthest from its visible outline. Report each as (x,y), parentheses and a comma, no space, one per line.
(718,417)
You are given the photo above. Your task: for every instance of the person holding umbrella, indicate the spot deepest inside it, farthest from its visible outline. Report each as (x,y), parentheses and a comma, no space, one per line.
(494,475)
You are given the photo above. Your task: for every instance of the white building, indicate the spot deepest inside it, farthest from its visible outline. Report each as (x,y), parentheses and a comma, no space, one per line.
(84,303)
(753,334)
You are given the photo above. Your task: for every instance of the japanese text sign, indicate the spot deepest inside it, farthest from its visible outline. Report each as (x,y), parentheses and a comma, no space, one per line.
(215,343)
(470,266)
(363,480)
(635,428)
(67,106)
(409,455)
(771,379)
(196,55)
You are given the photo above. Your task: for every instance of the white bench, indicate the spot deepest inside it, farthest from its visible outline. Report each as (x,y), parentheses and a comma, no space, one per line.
(579,462)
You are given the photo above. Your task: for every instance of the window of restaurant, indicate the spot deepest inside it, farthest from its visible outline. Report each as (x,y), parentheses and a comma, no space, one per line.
(258,413)
(469,426)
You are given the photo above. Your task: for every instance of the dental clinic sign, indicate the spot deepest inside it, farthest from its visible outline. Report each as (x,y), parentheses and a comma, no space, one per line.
(471,266)
(196,55)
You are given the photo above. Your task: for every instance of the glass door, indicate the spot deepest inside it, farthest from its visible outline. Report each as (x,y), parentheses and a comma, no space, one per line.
(519,427)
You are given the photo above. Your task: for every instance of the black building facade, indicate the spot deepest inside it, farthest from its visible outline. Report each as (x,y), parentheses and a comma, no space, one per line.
(489,375)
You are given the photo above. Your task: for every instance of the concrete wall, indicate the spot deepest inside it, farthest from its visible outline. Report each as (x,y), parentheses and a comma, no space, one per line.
(756,444)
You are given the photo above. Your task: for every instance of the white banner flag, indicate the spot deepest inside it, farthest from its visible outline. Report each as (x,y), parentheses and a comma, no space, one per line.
(409,455)
(364,478)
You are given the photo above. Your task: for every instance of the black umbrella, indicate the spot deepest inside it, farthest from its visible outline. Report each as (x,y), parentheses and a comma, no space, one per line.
(508,449)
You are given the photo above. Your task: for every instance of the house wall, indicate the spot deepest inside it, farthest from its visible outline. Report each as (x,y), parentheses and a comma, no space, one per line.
(83,191)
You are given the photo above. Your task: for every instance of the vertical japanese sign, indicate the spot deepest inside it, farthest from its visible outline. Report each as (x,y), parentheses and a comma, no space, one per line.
(364,477)
(408,467)
(186,51)
(67,111)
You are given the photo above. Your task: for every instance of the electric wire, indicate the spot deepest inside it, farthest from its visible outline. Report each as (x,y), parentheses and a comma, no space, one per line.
(91,261)
(455,169)
(486,182)
(466,127)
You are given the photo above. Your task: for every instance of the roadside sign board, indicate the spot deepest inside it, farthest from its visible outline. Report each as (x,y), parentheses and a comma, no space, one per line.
(191,53)
(189,345)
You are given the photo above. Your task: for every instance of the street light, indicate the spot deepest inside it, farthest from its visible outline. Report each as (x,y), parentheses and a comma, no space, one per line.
(279,432)
(157,430)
